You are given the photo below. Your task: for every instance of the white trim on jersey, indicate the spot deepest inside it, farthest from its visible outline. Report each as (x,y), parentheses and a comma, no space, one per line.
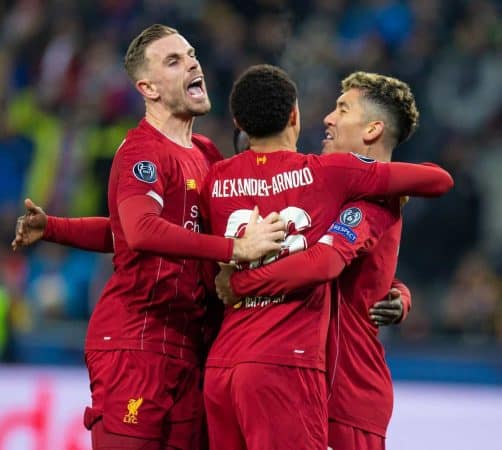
(157,197)
(326,239)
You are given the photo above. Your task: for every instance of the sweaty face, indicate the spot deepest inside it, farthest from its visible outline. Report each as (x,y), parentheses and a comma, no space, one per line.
(345,125)
(175,73)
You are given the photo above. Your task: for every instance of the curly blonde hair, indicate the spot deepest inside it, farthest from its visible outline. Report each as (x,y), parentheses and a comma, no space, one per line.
(135,55)
(391,98)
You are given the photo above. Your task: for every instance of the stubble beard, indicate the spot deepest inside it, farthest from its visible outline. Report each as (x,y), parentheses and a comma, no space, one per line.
(202,109)
(184,109)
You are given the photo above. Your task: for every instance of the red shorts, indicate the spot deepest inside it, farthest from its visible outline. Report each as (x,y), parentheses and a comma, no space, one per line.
(145,395)
(255,406)
(345,437)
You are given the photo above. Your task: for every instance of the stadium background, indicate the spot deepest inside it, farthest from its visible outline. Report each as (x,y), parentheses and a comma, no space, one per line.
(66,103)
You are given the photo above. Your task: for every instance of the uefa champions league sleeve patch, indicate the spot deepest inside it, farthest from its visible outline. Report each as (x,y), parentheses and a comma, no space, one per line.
(351,217)
(346,232)
(145,171)
(363,158)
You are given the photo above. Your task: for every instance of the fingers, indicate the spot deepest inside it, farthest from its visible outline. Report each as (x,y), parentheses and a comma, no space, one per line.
(222,284)
(268,247)
(385,312)
(278,225)
(276,236)
(18,238)
(20,225)
(228,298)
(17,243)
(253,219)
(272,222)
(272,218)
(380,321)
(260,238)
(381,318)
(394,293)
(31,207)
(386,304)
(226,266)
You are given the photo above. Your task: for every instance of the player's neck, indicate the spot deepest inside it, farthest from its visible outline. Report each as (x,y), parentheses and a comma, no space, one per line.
(273,144)
(379,153)
(174,128)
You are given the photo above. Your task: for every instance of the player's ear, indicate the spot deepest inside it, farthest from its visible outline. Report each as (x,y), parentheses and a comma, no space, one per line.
(373,131)
(147,89)
(236,124)
(294,116)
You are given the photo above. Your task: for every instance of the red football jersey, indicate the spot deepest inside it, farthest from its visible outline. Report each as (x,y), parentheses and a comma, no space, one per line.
(305,189)
(154,302)
(361,385)
(361,394)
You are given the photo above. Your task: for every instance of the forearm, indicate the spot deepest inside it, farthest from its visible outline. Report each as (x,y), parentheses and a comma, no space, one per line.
(87,233)
(146,231)
(423,180)
(319,264)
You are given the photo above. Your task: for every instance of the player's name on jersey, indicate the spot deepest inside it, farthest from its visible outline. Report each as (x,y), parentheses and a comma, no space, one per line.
(255,302)
(261,187)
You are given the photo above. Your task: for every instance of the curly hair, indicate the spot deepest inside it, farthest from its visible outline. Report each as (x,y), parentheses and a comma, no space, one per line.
(135,55)
(392,98)
(262,99)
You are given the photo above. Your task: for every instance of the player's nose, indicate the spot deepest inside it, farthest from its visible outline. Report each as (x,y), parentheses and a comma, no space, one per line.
(329,120)
(193,64)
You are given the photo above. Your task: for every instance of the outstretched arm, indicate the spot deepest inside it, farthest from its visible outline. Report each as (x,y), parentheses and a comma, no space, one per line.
(319,264)
(425,180)
(86,233)
(146,231)
(363,177)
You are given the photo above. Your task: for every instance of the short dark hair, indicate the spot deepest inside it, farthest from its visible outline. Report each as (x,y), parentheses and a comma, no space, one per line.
(392,97)
(262,99)
(135,55)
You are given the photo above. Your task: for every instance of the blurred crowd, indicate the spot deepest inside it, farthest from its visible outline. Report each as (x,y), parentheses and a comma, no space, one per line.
(66,104)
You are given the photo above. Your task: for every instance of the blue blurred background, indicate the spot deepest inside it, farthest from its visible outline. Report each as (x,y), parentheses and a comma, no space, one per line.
(66,104)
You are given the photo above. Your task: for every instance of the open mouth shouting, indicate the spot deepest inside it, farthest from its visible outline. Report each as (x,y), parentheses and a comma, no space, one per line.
(196,88)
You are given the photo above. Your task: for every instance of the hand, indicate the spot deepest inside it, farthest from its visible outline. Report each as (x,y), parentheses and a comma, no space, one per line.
(260,238)
(387,312)
(223,286)
(31,227)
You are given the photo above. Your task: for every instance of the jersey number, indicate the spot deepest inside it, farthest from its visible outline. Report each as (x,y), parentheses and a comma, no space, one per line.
(296,219)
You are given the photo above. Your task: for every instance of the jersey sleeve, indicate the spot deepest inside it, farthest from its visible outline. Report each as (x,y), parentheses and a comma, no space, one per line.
(319,264)
(146,231)
(359,227)
(140,172)
(86,233)
(356,176)
(405,297)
